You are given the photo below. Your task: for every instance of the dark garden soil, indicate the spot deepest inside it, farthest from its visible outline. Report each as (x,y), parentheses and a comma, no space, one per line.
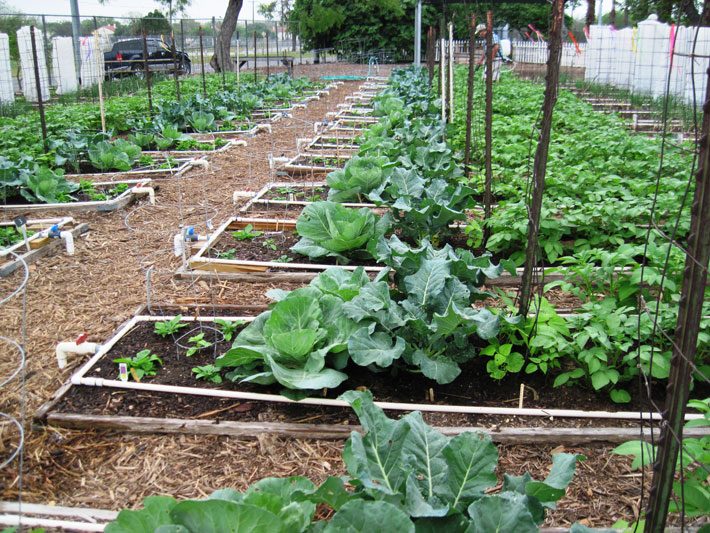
(472,387)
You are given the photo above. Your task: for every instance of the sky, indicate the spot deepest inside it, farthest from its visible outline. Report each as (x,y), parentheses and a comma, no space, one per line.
(199,8)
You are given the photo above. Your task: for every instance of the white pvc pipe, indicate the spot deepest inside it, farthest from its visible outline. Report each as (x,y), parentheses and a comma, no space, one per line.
(240,142)
(394,406)
(442,71)
(142,191)
(15,520)
(68,238)
(263,127)
(65,348)
(203,163)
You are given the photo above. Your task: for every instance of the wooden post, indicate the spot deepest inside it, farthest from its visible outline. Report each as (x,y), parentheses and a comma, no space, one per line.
(202,63)
(487,200)
(431,52)
(469,96)
(99,67)
(38,88)
(175,67)
(254,57)
(146,72)
(686,336)
(268,70)
(540,163)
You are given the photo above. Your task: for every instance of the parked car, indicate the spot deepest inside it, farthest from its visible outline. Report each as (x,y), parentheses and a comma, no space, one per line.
(126,57)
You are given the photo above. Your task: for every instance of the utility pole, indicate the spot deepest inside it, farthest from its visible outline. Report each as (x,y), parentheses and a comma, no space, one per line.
(76,35)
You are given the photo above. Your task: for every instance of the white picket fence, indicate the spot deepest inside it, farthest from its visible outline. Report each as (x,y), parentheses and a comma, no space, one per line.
(537,53)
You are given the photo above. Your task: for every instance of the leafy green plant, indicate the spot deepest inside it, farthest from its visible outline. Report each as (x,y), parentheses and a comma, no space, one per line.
(504,360)
(143,139)
(228,327)
(169,327)
(693,460)
(202,121)
(117,155)
(231,253)
(247,233)
(89,189)
(47,185)
(208,373)
(143,364)
(357,178)
(270,244)
(198,343)
(327,229)
(283,259)
(405,476)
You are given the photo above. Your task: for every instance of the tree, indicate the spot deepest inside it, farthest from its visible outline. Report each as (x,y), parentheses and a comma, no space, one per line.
(268,10)
(10,24)
(222,58)
(154,23)
(685,12)
(589,19)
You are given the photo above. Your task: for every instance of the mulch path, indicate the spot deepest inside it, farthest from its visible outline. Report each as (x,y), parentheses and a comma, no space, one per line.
(103,284)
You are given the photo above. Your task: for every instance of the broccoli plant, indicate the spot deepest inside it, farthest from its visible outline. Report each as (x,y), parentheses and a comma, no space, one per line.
(144,363)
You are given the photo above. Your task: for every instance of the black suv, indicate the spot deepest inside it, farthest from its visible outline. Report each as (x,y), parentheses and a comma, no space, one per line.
(126,57)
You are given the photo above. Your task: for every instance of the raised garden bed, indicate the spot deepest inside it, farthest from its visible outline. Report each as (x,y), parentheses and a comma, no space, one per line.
(315,163)
(38,243)
(133,188)
(267,254)
(213,149)
(173,401)
(329,143)
(162,168)
(290,196)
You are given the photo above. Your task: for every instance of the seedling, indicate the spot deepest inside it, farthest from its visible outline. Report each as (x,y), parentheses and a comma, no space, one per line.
(169,327)
(227,254)
(208,373)
(228,327)
(143,364)
(88,188)
(285,190)
(198,343)
(247,233)
(283,259)
(270,244)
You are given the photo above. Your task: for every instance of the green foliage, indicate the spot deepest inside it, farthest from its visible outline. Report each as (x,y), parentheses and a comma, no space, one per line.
(405,476)
(248,233)
(169,327)
(117,155)
(228,327)
(209,373)
(359,177)
(46,185)
(197,343)
(144,363)
(692,460)
(327,229)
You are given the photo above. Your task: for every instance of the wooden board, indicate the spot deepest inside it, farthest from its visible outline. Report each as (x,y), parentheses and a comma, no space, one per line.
(509,435)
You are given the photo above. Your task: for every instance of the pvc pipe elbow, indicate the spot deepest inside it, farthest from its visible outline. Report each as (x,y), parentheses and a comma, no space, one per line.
(142,191)
(178,244)
(68,239)
(65,348)
(238,196)
(203,163)
(240,142)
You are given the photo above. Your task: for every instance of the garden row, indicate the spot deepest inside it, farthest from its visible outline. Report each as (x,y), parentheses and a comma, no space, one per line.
(134,138)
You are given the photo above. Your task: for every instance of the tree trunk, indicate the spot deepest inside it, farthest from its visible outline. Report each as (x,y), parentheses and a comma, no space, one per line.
(589,19)
(612,13)
(222,59)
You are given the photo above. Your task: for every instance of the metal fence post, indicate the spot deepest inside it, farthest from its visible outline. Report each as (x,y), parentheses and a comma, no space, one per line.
(540,162)
(268,70)
(690,311)
(38,88)
(182,34)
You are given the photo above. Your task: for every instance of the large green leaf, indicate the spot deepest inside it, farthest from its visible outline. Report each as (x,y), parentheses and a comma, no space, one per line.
(375,458)
(360,516)
(423,457)
(472,459)
(367,347)
(555,484)
(428,281)
(155,512)
(222,516)
(502,513)
(436,367)
(305,378)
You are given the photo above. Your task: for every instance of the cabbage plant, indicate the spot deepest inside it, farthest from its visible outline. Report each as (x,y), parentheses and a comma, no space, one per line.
(357,178)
